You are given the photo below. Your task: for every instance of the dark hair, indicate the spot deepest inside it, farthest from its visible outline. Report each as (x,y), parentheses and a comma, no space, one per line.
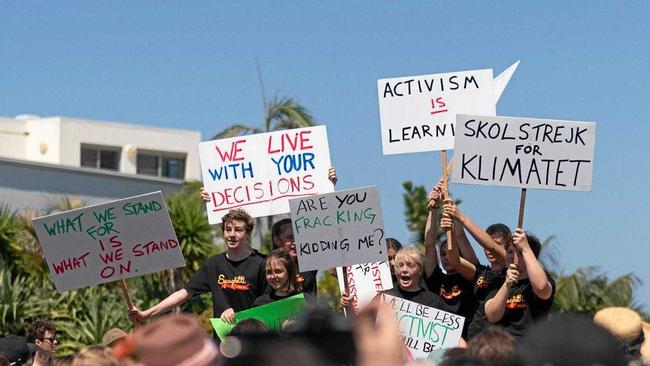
(534,243)
(293,285)
(249,326)
(278,228)
(38,328)
(393,243)
(239,215)
(499,229)
(494,346)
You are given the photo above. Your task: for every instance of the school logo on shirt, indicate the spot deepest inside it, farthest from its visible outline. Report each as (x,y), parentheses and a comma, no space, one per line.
(481,282)
(455,292)
(238,283)
(516,302)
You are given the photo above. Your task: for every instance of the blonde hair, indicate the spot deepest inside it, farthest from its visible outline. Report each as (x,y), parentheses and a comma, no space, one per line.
(95,356)
(409,254)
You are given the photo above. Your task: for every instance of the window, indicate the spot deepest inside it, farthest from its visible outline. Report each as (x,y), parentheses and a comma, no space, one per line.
(100,157)
(161,164)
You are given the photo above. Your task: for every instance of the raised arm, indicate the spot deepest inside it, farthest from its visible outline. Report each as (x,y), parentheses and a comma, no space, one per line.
(461,265)
(464,247)
(431,230)
(430,233)
(481,237)
(496,306)
(540,283)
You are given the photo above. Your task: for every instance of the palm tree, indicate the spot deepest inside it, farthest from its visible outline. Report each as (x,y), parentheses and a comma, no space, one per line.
(588,290)
(279,114)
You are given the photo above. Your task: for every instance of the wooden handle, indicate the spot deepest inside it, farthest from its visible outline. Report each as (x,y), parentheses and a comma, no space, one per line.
(127,297)
(522,206)
(445,192)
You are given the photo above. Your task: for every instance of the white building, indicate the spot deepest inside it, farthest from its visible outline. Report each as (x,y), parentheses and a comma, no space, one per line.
(45,159)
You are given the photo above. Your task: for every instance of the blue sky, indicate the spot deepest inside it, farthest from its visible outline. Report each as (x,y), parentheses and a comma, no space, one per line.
(192,65)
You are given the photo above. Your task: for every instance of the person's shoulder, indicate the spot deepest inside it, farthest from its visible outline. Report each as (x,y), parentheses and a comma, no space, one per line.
(256,255)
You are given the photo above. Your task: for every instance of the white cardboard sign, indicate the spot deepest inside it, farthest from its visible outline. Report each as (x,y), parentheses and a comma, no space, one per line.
(524,152)
(425,329)
(418,113)
(259,173)
(365,281)
(338,229)
(107,242)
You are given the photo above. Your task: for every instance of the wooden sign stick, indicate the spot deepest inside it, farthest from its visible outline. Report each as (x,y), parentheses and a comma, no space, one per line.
(445,192)
(522,206)
(349,310)
(127,297)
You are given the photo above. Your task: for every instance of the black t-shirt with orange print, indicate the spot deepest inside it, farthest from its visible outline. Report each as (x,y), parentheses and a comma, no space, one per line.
(456,292)
(523,307)
(233,284)
(485,282)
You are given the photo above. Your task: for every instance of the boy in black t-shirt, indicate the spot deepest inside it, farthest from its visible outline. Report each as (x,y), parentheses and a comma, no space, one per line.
(452,287)
(235,278)
(527,294)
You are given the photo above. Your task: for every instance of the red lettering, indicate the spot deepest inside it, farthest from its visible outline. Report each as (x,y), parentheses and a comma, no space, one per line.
(231,155)
(290,141)
(307,182)
(304,140)
(107,274)
(116,243)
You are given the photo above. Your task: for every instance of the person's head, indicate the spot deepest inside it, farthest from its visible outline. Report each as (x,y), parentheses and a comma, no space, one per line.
(95,356)
(513,256)
(237,226)
(502,235)
(494,346)
(113,336)
(43,334)
(167,341)
(282,235)
(409,264)
(15,349)
(444,259)
(392,246)
(627,326)
(281,272)
(63,360)
(567,340)
(249,326)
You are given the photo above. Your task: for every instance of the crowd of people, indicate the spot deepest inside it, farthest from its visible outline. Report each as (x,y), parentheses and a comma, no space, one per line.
(505,303)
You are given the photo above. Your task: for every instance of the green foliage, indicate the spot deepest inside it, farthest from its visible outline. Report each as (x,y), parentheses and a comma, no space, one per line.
(279,114)
(416,212)
(328,290)
(588,290)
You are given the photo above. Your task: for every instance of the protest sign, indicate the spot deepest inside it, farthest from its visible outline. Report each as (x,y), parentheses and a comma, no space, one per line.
(108,242)
(338,229)
(273,314)
(365,280)
(524,152)
(261,172)
(425,329)
(418,113)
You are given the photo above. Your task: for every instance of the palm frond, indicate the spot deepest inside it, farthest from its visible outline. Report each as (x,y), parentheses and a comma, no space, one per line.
(236,130)
(287,113)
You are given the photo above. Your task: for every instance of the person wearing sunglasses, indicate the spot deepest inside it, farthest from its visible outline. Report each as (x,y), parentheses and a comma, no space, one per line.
(42,333)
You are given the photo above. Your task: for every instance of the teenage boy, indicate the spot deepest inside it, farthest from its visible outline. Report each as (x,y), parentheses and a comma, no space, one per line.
(527,293)
(235,278)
